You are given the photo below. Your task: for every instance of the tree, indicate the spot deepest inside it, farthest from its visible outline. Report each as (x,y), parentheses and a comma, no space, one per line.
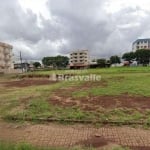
(56,62)
(61,61)
(129,56)
(115,59)
(143,56)
(48,61)
(36,64)
(101,62)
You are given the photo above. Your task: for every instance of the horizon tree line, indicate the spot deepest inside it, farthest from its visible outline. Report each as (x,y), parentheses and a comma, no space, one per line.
(142,56)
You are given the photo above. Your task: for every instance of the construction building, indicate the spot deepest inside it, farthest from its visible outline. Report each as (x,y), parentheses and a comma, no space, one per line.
(79,59)
(5,56)
(141,44)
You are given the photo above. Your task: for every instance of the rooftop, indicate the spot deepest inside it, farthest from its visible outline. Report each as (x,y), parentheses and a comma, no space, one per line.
(78,51)
(142,40)
(5,45)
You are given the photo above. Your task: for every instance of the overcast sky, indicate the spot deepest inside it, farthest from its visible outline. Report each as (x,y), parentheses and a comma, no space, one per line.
(41,28)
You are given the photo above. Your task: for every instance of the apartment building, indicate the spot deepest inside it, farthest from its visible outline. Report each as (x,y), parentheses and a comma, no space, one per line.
(5,56)
(79,59)
(141,44)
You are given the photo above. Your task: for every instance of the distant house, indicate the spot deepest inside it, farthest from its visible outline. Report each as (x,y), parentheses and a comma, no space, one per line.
(24,65)
(134,63)
(126,63)
(141,44)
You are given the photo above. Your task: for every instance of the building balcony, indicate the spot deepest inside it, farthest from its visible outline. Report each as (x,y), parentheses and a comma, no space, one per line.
(6,51)
(7,65)
(2,64)
(7,58)
(2,57)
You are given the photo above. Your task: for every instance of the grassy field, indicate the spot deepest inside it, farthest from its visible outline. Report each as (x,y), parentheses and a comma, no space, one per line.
(24,146)
(98,71)
(66,99)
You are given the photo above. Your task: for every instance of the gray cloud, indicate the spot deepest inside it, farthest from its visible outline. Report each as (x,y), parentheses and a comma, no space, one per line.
(89,26)
(16,24)
(73,25)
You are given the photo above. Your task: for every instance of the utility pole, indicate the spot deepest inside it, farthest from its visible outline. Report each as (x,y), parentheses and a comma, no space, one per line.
(21,61)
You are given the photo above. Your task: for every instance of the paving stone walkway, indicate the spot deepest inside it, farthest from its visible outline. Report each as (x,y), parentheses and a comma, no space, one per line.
(69,135)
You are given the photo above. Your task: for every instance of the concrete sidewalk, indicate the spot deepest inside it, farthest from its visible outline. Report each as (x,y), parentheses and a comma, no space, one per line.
(70,135)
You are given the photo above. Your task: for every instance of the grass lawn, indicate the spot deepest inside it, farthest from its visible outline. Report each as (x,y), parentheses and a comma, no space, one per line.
(114,70)
(39,102)
(24,146)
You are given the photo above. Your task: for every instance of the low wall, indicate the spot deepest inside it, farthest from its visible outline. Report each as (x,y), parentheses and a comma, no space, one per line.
(12,71)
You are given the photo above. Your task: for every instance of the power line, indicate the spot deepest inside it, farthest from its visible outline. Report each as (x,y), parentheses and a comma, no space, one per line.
(21,61)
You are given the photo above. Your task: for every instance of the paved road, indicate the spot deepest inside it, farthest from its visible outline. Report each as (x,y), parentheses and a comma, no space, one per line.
(63,135)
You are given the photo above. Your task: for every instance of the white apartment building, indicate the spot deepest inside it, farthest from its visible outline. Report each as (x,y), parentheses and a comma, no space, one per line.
(79,59)
(141,44)
(5,56)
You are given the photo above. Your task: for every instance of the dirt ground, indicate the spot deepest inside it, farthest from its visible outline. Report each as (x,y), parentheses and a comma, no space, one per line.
(27,82)
(62,97)
(59,135)
(95,141)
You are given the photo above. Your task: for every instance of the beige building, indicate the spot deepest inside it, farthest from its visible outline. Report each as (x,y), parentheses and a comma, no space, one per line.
(141,44)
(79,59)
(5,56)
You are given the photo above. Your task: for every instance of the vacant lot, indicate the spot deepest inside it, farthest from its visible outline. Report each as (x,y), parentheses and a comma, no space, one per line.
(122,96)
